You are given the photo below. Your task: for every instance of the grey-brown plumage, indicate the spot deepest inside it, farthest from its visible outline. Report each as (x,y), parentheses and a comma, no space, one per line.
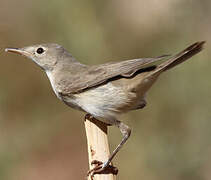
(105,90)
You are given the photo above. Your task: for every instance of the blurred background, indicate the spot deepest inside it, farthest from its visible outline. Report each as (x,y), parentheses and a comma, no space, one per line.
(41,138)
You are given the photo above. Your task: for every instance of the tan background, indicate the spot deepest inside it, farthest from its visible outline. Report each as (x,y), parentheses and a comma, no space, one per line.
(42,139)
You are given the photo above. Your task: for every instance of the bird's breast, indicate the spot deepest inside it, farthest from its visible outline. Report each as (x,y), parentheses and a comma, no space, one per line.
(53,85)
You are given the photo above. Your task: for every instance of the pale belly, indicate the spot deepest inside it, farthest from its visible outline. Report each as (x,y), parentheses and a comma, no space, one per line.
(106,101)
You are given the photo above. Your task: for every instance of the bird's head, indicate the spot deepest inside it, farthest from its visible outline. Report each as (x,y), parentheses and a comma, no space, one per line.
(45,55)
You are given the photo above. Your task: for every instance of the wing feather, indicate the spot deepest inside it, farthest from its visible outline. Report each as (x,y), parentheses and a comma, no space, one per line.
(98,74)
(91,76)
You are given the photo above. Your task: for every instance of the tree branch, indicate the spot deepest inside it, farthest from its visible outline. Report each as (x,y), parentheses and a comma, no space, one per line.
(98,148)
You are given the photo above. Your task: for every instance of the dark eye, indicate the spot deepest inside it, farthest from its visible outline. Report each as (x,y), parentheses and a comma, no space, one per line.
(40,50)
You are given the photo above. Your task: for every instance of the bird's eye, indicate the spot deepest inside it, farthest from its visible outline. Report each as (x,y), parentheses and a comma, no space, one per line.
(40,50)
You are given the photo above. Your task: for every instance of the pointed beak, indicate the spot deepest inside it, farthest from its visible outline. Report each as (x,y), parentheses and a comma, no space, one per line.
(18,51)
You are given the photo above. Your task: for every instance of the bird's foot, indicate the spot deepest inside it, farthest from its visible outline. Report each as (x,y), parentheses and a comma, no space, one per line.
(93,119)
(89,117)
(101,168)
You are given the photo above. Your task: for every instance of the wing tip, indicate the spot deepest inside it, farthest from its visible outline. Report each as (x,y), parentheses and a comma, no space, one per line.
(187,53)
(196,45)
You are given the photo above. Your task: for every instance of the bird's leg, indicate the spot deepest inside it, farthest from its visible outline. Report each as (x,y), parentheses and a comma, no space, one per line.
(101,167)
(126,131)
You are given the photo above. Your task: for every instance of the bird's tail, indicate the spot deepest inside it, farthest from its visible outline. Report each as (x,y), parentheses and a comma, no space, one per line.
(178,58)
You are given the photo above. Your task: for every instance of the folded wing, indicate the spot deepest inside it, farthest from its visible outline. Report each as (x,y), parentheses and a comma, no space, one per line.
(95,75)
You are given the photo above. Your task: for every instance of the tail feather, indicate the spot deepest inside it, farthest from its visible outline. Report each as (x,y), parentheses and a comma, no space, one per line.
(179,58)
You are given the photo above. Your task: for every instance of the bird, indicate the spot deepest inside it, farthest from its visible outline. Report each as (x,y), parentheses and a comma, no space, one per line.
(103,91)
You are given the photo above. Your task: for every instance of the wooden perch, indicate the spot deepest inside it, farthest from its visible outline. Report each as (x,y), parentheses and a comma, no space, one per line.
(98,148)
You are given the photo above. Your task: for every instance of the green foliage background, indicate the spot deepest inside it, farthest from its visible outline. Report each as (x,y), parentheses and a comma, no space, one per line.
(41,138)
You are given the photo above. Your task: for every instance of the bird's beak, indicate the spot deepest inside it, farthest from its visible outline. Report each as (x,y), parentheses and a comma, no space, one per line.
(18,51)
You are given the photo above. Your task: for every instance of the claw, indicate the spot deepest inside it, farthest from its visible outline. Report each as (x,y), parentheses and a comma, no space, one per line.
(100,168)
(96,162)
(89,117)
